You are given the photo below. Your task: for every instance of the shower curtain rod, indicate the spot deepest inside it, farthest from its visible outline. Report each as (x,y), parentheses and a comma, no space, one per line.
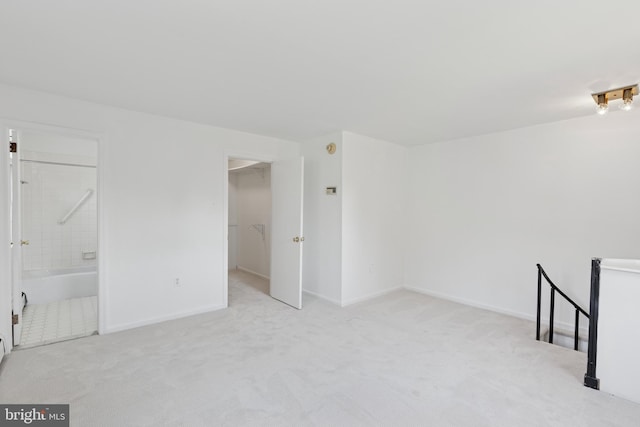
(57,163)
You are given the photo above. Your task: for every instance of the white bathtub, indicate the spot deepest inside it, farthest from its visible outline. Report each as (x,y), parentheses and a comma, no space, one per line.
(43,286)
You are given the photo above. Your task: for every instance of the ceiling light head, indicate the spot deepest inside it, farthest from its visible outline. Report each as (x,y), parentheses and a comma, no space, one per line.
(603,104)
(627,99)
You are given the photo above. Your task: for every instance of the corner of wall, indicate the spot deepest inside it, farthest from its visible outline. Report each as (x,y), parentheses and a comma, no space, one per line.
(484,210)
(322,217)
(374,195)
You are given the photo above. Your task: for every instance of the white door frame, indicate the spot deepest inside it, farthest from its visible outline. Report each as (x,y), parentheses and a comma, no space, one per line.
(6,287)
(5,227)
(17,305)
(225,223)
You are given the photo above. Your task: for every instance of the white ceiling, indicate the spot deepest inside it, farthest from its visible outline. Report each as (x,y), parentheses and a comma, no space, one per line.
(410,72)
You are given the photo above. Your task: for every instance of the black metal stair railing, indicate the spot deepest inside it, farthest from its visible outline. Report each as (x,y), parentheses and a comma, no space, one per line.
(554,289)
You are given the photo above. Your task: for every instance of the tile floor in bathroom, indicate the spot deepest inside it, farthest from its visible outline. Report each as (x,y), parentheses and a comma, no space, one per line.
(59,321)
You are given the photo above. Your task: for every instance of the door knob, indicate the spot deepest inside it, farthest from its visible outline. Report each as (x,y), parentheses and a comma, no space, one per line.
(296,239)
(24,243)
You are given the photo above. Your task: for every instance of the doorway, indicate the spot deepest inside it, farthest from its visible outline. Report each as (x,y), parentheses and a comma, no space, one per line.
(54,230)
(249,226)
(285,235)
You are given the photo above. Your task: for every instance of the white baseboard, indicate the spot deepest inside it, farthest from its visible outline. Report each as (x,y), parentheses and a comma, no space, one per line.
(471,303)
(557,324)
(160,319)
(322,297)
(370,296)
(246,270)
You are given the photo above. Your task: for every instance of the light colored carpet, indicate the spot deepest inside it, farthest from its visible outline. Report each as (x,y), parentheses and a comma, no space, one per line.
(402,359)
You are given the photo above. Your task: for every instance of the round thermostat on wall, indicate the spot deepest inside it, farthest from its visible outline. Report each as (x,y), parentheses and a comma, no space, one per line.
(331,148)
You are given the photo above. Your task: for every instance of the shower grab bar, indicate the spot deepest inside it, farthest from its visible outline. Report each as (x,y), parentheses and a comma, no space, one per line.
(259,228)
(75,207)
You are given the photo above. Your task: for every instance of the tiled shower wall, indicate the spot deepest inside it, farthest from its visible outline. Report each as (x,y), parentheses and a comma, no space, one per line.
(48,192)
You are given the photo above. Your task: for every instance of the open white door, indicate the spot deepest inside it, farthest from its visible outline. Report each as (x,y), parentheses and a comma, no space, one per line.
(286,231)
(17,303)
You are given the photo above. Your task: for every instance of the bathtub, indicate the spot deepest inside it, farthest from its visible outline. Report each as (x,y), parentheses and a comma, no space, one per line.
(43,286)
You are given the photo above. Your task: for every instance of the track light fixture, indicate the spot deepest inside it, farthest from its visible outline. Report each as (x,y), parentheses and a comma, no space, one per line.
(624,93)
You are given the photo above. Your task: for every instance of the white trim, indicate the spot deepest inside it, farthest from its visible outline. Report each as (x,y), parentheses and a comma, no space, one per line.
(370,296)
(49,128)
(471,303)
(225,231)
(246,270)
(159,319)
(103,294)
(558,325)
(625,270)
(6,287)
(624,265)
(322,297)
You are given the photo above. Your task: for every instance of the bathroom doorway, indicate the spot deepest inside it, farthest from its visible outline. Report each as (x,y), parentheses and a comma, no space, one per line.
(55,237)
(249,223)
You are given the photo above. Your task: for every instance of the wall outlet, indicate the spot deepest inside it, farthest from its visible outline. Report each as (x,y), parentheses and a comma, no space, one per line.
(177,282)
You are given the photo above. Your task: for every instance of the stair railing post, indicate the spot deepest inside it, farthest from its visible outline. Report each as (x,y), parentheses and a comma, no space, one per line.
(552,309)
(590,379)
(539,303)
(576,338)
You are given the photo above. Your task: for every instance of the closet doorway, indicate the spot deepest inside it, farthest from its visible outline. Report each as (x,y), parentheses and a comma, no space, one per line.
(249,227)
(279,230)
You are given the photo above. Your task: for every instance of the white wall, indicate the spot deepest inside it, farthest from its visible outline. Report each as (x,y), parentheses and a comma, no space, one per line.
(253,208)
(354,243)
(161,198)
(484,210)
(373,217)
(471,220)
(322,254)
(618,326)
(50,142)
(233,221)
